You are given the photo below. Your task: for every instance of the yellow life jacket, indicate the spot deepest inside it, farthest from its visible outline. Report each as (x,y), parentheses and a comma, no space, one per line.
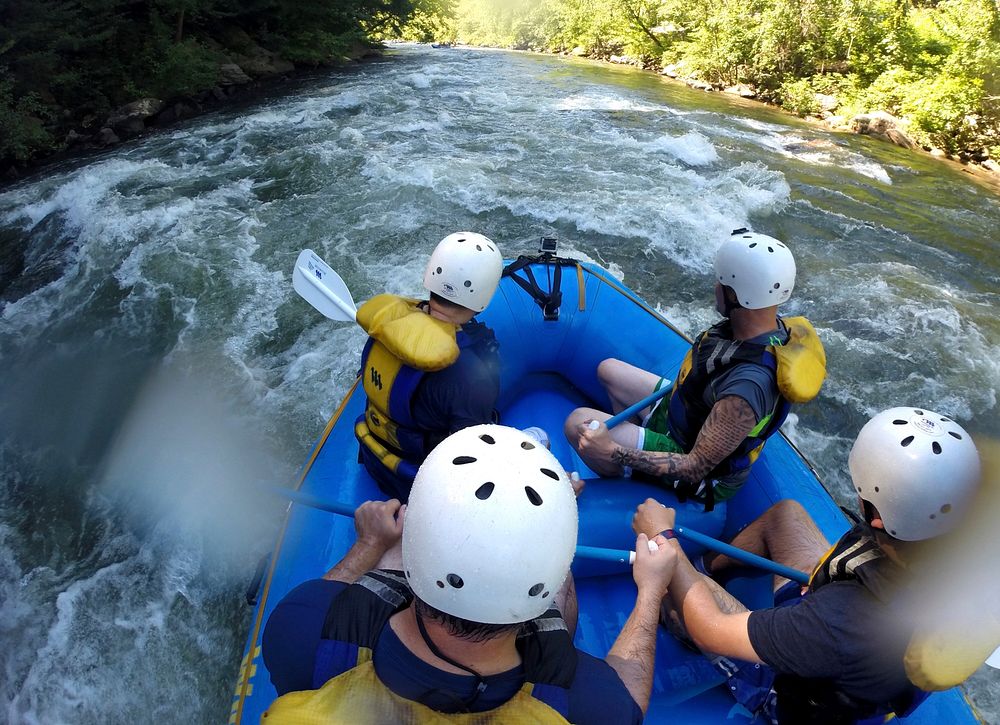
(404,343)
(801,362)
(358,697)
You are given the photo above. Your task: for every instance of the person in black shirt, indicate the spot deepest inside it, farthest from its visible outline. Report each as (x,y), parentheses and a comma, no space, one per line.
(832,652)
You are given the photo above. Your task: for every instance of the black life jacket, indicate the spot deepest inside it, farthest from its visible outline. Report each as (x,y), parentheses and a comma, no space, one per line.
(712,354)
(856,557)
(358,615)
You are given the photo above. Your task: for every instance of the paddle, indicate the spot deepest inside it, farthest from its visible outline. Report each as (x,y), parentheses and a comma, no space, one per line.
(634,408)
(994,659)
(320,286)
(587,552)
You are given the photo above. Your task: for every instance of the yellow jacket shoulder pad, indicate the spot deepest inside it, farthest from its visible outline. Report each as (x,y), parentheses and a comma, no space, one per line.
(408,333)
(801,362)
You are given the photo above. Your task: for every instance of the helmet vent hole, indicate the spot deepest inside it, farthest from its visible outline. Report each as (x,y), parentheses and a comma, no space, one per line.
(893,532)
(946,420)
(906,441)
(550,473)
(440,584)
(777,285)
(462,460)
(485,491)
(479,248)
(455,580)
(953,434)
(439,270)
(876,489)
(753,244)
(468,283)
(946,508)
(460,240)
(527,445)
(899,422)
(490,247)
(771,250)
(487,438)
(936,447)
(545,594)
(533,496)
(536,589)
(933,516)
(859,489)
(919,412)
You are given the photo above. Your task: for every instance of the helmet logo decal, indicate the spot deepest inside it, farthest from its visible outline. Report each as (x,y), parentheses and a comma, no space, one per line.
(448,289)
(926,425)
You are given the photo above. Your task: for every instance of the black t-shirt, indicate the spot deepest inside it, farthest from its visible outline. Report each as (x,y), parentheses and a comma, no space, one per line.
(840,632)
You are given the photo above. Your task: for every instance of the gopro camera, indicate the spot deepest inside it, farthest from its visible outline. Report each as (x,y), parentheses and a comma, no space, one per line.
(547,245)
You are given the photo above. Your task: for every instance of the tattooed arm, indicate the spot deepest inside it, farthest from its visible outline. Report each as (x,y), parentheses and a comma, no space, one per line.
(727,425)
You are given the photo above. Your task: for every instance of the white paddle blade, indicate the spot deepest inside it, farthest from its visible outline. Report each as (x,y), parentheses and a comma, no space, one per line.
(994,659)
(320,286)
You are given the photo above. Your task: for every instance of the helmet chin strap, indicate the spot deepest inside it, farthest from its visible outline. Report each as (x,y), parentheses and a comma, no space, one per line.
(480,681)
(729,305)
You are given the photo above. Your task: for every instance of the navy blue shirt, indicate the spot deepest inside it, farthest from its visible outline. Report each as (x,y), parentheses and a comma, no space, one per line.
(294,629)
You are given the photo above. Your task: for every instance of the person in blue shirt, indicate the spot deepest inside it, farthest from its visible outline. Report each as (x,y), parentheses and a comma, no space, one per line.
(429,367)
(733,390)
(835,651)
(463,604)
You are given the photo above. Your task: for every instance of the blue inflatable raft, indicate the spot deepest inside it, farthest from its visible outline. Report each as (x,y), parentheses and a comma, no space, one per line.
(550,354)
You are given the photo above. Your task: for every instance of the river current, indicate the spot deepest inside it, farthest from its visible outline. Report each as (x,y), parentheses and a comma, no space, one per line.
(157,364)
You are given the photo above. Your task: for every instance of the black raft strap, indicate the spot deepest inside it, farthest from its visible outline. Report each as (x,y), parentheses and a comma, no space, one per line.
(549,301)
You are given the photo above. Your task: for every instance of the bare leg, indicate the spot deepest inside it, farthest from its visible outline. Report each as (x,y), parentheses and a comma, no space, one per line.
(784,533)
(626,434)
(626,384)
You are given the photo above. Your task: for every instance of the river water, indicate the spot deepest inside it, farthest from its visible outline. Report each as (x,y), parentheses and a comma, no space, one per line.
(157,364)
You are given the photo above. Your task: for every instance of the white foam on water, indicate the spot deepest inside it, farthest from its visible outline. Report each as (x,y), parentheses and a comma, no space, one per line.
(597,101)
(692,148)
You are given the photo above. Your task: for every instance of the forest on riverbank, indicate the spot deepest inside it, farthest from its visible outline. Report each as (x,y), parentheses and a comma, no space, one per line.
(82,75)
(931,66)
(77,75)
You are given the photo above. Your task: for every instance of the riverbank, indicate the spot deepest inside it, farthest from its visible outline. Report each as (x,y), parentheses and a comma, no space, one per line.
(242,77)
(877,124)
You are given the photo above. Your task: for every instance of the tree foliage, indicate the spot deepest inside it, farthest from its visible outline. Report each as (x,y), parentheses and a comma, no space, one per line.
(935,62)
(68,63)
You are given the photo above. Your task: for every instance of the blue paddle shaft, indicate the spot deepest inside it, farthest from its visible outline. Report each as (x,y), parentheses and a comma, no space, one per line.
(742,556)
(590,552)
(636,407)
(587,552)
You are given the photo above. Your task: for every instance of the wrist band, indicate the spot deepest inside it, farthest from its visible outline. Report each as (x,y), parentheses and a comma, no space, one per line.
(668,534)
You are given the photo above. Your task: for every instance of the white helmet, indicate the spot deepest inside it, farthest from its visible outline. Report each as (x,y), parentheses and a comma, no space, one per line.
(490,528)
(918,468)
(465,268)
(759,268)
